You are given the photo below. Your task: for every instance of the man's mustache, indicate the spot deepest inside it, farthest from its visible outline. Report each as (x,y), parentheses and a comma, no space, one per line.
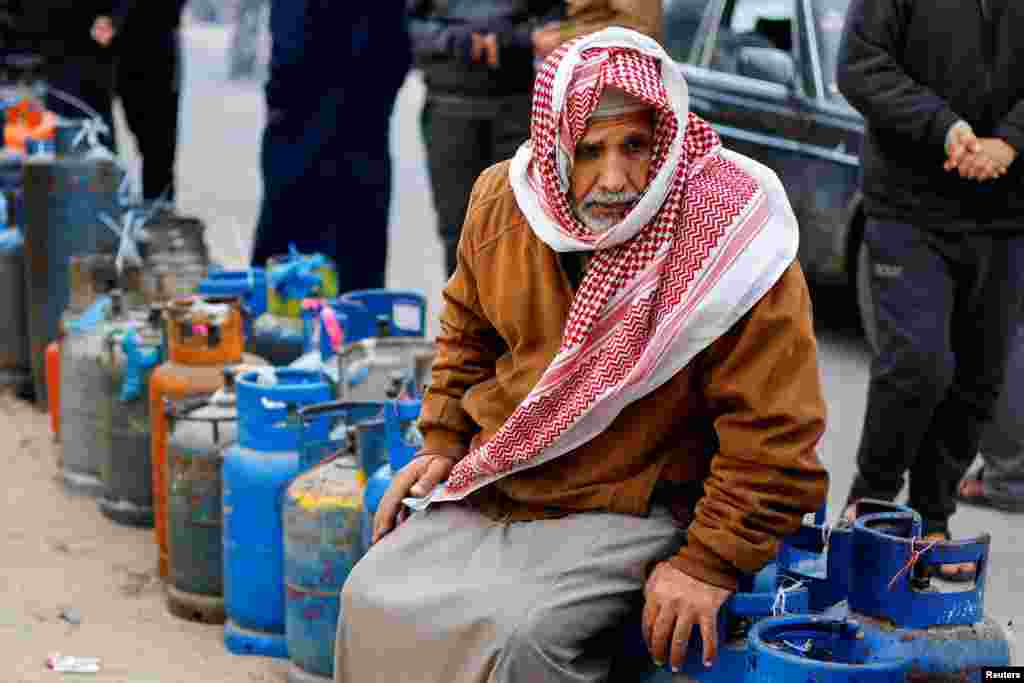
(608,199)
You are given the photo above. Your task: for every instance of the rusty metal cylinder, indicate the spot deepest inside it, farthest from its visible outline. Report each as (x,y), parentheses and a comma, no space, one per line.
(204,336)
(131,352)
(200,429)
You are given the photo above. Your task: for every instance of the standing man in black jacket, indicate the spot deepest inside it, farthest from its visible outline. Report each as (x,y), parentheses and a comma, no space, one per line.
(477,60)
(148,81)
(941,88)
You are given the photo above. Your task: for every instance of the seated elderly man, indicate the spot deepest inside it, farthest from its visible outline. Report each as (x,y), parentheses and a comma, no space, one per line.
(625,401)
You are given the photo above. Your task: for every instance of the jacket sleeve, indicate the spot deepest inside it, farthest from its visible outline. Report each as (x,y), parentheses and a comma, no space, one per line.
(1011,129)
(430,37)
(467,350)
(762,385)
(643,16)
(871,78)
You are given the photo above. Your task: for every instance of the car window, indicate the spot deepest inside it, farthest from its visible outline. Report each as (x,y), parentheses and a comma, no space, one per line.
(681,20)
(752,23)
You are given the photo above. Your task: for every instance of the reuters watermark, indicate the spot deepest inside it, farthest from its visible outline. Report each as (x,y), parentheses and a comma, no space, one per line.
(1002,673)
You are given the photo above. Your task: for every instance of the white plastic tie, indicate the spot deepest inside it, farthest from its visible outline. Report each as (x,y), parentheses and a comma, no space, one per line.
(779,605)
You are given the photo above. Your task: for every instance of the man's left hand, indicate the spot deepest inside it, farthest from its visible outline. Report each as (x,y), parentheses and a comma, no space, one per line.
(674,603)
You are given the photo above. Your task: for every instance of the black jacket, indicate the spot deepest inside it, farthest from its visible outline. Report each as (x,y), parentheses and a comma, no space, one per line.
(433,24)
(56,29)
(913,68)
(139,22)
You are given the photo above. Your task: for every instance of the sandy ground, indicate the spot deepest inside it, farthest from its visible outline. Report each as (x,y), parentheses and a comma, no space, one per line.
(59,554)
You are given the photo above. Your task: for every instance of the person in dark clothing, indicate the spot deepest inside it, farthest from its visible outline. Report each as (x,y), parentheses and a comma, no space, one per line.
(148,81)
(477,59)
(335,70)
(941,89)
(70,35)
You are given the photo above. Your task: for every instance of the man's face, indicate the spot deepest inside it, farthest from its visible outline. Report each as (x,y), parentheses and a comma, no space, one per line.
(609,171)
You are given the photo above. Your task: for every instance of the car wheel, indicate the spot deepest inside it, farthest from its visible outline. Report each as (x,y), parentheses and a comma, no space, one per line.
(865,304)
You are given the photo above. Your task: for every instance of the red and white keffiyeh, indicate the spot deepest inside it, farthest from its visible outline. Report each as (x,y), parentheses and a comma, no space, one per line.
(712,233)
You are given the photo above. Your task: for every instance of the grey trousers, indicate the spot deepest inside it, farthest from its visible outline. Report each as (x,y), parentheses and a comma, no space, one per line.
(453,597)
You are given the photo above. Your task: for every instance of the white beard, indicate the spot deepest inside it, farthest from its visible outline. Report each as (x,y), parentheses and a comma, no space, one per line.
(599,225)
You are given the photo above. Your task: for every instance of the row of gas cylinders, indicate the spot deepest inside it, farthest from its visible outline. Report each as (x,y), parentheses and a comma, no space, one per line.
(265,481)
(171,422)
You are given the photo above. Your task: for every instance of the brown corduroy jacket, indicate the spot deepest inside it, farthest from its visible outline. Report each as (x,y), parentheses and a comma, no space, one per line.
(743,417)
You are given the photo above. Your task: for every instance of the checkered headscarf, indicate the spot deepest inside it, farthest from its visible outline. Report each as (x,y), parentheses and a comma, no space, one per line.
(711,233)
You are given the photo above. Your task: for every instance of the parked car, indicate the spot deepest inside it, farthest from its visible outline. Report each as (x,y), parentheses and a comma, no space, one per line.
(763,73)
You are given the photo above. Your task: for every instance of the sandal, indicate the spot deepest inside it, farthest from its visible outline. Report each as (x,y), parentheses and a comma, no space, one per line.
(961,572)
(971,491)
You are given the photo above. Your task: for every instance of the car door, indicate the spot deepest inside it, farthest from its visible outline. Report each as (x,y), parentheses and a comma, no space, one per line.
(758,112)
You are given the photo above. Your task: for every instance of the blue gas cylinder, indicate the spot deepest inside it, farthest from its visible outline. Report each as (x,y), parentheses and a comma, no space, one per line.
(404,310)
(250,285)
(371,445)
(819,554)
(322,517)
(256,472)
(757,599)
(817,649)
(403,436)
(376,487)
(338,423)
(907,613)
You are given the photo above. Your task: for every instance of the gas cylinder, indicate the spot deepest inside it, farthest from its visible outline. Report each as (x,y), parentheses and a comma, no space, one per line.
(83,386)
(818,649)
(366,368)
(370,438)
(758,598)
(321,513)
(53,386)
(87,276)
(131,351)
(405,311)
(376,487)
(204,335)
(819,554)
(255,473)
(14,358)
(176,255)
(201,428)
(941,631)
(403,436)
(340,421)
(279,334)
(250,285)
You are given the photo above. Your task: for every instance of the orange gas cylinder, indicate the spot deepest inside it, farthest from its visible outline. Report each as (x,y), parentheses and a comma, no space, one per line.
(204,336)
(28,119)
(53,386)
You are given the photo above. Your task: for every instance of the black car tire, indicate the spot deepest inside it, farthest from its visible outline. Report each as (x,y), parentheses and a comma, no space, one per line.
(865,303)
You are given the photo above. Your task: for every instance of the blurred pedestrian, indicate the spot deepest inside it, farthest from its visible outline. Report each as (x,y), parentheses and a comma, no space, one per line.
(75,37)
(941,89)
(148,82)
(335,70)
(588,16)
(477,60)
(999,482)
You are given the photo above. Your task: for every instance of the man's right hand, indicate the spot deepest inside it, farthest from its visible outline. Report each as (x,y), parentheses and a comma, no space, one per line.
(418,478)
(962,142)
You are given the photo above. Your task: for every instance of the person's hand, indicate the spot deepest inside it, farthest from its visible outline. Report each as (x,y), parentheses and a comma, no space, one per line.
(674,603)
(546,39)
(418,478)
(962,143)
(999,152)
(489,49)
(103,30)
